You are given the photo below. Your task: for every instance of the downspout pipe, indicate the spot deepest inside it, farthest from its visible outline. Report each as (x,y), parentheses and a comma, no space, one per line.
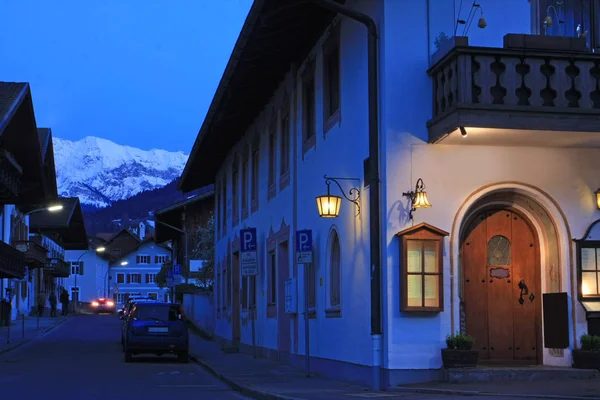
(374,187)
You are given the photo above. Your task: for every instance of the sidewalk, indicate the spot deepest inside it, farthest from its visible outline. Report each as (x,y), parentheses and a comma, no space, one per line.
(266,380)
(19,336)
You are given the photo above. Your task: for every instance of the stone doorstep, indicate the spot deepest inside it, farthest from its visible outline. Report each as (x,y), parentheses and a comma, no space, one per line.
(511,374)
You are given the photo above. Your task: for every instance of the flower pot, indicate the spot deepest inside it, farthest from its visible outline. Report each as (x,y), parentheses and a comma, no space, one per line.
(460,358)
(586,359)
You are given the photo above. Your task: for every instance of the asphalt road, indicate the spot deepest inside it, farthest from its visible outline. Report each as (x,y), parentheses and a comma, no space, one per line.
(82,358)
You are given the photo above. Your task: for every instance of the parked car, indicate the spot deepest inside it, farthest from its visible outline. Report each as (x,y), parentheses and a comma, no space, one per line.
(103,305)
(156,328)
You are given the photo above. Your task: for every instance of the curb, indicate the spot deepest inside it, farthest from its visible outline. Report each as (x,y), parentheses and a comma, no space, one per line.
(244,389)
(33,338)
(457,392)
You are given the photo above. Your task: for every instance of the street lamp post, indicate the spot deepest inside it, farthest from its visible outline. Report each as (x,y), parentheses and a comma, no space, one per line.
(97,250)
(106,286)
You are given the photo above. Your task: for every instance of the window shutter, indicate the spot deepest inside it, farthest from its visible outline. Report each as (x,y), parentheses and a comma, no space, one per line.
(147,278)
(128,278)
(156,259)
(137,259)
(80,267)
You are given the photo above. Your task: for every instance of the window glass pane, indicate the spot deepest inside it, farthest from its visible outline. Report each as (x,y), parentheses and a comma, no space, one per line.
(414,256)
(415,290)
(498,251)
(432,291)
(430,256)
(588,259)
(589,283)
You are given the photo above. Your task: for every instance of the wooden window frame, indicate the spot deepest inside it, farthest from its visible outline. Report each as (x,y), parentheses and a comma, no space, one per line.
(255,177)
(424,233)
(272,156)
(587,244)
(334,309)
(245,182)
(285,129)
(271,276)
(235,180)
(309,123)
(331,50)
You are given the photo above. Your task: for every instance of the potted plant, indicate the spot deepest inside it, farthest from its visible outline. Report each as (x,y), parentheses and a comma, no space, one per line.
(459,352)
(588,356)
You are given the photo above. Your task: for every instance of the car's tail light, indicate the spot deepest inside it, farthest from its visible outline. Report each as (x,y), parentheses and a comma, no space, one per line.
(94,304)
(110,303)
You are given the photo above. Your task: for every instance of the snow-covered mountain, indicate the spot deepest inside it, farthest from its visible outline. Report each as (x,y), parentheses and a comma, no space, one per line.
(100,172)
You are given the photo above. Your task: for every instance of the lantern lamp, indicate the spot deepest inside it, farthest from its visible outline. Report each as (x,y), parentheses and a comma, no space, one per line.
(418,197)
(597,192)
(329,205)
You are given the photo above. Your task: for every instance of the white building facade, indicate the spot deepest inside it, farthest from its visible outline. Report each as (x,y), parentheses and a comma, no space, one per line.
(89,279)
(502,134)
(135,273)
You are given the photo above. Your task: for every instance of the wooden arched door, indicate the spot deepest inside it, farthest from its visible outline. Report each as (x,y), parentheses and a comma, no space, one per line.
(501,289)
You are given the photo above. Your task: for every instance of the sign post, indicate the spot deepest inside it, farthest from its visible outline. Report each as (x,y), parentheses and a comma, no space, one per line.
(249,268)
(304,255)
(171,283)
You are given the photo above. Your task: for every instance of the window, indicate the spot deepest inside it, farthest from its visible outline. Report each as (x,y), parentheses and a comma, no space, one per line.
(334,273)
(76,267)
(255,177)
(134,278)
(150,278)
(272,284)
(284,145)
(421,268)
(142,259)
(161,259)
(245,183)
(308,109)
(577,12)
(228,283)
(75,294)
(498,251)
(331,79)
(120,278)
(590,271)
(224,197)
(272,158)
(121,298)
(234,192)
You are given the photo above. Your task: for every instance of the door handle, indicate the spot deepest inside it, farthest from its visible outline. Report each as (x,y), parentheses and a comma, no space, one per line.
(524,291)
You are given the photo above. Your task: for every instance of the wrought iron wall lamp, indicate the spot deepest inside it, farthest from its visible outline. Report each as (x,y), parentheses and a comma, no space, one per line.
(597,192)
(329,205)
(418,198)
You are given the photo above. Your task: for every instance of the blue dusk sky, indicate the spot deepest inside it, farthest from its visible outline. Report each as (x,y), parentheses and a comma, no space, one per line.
(139,73)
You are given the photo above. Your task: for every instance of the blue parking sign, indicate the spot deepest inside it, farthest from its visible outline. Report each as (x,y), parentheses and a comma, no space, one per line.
(304,246)
(176,269)
(248,239)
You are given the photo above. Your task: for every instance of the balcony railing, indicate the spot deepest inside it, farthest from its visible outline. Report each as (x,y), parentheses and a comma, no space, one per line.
(533,83)
(12,262)
(35,254)
(58,268)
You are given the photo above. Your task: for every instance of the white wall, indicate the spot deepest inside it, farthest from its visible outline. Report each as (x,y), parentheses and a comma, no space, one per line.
(92,283)
(200,309)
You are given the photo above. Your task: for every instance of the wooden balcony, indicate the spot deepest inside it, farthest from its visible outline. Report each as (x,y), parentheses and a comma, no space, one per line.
(12,262)
(36,255)
(10,177)
(542,86)
(58,268)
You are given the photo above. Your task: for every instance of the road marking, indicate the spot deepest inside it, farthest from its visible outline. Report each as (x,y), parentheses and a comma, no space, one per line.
(204,386)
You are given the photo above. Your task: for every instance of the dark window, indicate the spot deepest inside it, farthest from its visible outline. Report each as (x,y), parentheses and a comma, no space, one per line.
(331,78)
(272,153)
(272,278)
(284,141)
(157,312)
(308,107)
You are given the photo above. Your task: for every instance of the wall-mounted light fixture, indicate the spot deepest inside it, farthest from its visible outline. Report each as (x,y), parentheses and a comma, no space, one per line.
(329,205)
(463,131)
(597,193)
(418,198)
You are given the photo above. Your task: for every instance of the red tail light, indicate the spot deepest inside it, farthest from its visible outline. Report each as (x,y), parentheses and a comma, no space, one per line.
(94,304)
(110,303)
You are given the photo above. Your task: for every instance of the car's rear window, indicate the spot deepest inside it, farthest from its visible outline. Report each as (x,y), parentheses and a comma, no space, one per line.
(157,312)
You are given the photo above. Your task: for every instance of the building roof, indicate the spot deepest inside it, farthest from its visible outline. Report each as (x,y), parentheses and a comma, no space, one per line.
(19,136)
(142,243)
(275,35)
(47,150)
(172,215)
(68,223)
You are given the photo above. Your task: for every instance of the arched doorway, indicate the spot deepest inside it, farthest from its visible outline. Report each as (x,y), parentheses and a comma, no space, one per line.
(501,285)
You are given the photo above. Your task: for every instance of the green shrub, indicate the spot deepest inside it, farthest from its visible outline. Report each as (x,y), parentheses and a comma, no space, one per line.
(590,342)
(460,341)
